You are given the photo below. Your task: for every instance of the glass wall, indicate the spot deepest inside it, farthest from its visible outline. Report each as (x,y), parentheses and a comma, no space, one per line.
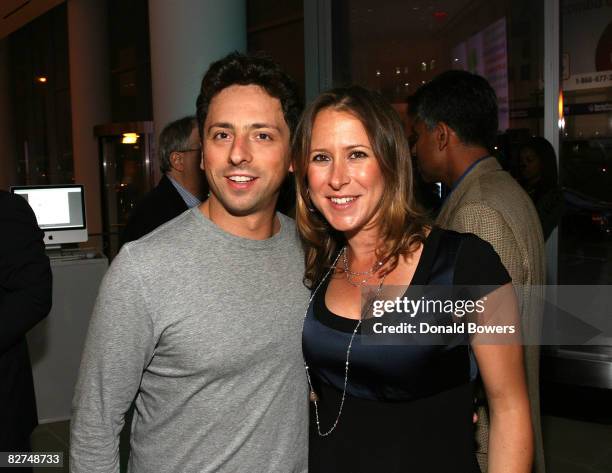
(40,92)
(126,174)
(396,47)
(130,60)
(277,29)
(585,239)
(399,46)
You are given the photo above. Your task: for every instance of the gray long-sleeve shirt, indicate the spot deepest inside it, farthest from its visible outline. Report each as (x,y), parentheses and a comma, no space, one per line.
(203,329)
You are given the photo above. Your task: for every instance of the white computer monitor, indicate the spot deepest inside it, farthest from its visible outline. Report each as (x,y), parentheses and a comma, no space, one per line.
(59,210)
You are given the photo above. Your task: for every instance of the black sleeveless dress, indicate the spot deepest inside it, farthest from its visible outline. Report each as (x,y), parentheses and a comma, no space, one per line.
(409,407)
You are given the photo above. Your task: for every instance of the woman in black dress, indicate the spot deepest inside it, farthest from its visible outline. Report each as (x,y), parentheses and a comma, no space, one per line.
(403,404)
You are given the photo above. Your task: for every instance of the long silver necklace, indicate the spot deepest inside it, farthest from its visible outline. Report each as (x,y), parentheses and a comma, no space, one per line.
(313,395)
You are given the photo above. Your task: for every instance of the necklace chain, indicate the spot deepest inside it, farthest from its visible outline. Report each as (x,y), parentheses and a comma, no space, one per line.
(313,395)
(362,276)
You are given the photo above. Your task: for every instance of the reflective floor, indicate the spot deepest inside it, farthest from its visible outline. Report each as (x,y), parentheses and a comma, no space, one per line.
(573,446)
(585,258)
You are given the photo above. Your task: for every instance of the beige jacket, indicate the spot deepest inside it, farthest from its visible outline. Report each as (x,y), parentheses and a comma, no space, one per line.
(491,204)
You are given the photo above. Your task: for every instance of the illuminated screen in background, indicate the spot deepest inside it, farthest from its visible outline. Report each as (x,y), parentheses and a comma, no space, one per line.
(486,54)
(56,207)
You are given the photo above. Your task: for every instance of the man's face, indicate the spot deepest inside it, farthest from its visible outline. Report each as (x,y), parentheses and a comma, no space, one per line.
(424,145)
(245,142)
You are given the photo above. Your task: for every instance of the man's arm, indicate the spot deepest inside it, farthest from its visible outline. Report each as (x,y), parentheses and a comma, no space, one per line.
(25,274)
(119,346)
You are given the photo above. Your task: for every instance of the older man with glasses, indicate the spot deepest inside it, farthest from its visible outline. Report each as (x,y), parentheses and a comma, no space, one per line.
(182,186)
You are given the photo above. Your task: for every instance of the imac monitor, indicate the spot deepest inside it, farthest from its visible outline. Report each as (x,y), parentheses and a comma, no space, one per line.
(59,210)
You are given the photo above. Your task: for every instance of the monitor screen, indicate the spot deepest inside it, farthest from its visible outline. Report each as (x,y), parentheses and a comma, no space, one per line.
(59,210)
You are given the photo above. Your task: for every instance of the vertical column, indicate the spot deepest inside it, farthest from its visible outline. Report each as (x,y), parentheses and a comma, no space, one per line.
(8,155)
(552,87)
(90,98)
(317,47)
(186,37)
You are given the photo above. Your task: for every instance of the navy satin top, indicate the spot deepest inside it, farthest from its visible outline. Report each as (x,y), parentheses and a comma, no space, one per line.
(407,371)
(408,407)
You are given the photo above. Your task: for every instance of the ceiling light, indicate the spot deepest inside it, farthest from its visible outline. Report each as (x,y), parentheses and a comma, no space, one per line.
(129,138)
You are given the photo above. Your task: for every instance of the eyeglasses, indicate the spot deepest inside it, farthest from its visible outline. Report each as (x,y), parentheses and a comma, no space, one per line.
(189,150)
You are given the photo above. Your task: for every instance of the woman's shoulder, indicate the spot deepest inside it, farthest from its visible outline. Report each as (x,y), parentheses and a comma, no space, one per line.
(476,261)
(445,239)
(465,241)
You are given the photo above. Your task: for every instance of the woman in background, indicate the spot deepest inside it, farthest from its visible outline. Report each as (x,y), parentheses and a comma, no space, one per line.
(538,169)
(405,407)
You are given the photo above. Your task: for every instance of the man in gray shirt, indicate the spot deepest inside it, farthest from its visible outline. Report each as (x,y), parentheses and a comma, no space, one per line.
(200,320)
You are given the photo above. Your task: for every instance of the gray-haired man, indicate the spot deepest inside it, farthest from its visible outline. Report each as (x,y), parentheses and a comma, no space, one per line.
(182,185)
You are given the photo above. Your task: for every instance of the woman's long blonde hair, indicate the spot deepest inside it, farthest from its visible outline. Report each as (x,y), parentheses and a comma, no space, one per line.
(402,224)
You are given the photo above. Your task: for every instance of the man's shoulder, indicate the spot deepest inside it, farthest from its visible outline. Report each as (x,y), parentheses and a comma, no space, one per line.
(499,191)
(290,231)
(163,194)
(487,182)
(499,198)
(14,202)
(167,238)
(16,212)
(287,222)
(495,201)
(184,235)
(158,206)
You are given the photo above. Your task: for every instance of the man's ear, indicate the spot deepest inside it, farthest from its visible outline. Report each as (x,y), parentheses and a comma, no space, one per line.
(202,167)
(442,133)
(176,161)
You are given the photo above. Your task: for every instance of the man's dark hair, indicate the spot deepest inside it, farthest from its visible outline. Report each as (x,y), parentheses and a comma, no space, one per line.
(464,101)
(174,137)
(250,69)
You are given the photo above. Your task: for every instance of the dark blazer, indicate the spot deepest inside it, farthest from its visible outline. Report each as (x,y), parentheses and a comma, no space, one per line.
(25,299)
(159,206)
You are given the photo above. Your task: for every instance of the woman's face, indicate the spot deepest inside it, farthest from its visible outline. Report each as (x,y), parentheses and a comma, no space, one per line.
(530,165)
(344,178)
